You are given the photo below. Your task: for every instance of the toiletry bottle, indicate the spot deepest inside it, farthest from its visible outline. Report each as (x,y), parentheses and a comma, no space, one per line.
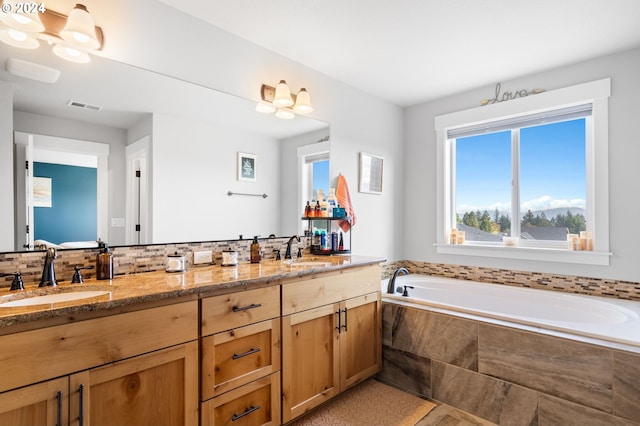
(334,241)
(341,243)
(104,262)
(332,201)
(307,210)
(316,211)
(325,241)
(255,250)
(315,242)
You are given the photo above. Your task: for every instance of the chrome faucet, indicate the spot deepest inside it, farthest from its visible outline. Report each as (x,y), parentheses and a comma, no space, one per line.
(48,272)
(287,254)
(391,287)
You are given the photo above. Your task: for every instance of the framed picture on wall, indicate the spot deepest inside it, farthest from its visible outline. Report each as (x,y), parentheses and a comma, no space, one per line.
(41,192)
(370,180)
(246,167)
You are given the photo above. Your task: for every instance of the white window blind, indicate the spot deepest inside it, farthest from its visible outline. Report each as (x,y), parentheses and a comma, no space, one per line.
(545,117)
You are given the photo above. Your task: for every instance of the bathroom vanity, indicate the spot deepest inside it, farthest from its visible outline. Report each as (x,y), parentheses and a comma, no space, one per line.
(210,345)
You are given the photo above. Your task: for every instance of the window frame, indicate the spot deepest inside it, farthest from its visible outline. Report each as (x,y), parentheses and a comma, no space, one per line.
(597,206)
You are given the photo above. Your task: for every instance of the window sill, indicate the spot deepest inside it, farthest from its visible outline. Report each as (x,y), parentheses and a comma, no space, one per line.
(526,253)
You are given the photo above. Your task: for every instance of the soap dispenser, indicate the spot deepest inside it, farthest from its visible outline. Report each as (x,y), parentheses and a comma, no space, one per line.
(104,262)
(255,250)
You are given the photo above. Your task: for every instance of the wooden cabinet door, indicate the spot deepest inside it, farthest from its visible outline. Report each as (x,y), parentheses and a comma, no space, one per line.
(310,356)
(41,404)
(360,339)
(153,389)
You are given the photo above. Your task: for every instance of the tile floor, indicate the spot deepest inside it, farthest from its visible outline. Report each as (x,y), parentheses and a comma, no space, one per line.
(444,415)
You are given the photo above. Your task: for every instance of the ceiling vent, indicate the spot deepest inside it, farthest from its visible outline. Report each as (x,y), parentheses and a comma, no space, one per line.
(84,105)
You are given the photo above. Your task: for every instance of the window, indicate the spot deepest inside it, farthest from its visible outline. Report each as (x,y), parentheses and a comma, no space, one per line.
(527,169)
(320,175)
(314,166)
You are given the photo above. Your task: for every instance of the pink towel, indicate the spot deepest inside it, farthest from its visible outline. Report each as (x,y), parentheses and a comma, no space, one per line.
(344,200)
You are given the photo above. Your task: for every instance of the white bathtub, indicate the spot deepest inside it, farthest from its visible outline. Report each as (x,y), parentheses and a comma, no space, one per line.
(607,321)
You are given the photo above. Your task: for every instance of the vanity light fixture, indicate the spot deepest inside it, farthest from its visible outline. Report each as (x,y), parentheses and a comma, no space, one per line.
(22,16)
(73,37)
(280,100)
(80,30)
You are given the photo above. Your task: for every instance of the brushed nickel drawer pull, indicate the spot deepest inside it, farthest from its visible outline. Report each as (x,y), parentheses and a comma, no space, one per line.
(246,308)
(246,412)
(249,352)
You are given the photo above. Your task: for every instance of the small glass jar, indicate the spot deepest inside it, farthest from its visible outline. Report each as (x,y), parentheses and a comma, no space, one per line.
(175,263)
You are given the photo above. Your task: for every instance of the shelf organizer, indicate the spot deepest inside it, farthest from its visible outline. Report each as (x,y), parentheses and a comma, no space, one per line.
(329,222)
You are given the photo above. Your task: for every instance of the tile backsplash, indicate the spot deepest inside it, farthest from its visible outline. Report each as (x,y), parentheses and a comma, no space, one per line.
(133,259)
(540,280)
(146,258)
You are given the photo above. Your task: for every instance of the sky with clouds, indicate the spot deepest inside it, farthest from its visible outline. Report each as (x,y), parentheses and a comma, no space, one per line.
(552,169)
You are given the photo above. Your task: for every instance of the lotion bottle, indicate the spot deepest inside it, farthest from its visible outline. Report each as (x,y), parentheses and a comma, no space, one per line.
(255,250)
(104,262)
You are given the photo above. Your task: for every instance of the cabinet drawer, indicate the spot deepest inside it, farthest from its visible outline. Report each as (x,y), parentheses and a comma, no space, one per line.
(256,403)
(234,310)
(322,289)
(236,357)
(77,346)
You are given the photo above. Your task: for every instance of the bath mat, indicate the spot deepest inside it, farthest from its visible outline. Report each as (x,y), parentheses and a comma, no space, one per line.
(370,403)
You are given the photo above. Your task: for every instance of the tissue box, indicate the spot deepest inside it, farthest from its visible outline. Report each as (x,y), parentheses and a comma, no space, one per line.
(339,212)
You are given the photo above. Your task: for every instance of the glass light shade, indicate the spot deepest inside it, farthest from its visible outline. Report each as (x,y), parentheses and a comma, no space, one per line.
(71,54)
(23,21)
(282,97)
(18,38)
(80,30)
(303,102)
(265,107)
(285,114)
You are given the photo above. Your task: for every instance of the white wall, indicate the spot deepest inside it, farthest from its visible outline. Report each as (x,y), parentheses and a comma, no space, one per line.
(624,173)
(194,166)
(6,167)
(156,37)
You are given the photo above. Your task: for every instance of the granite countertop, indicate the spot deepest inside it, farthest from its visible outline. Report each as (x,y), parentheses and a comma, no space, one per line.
(127,291)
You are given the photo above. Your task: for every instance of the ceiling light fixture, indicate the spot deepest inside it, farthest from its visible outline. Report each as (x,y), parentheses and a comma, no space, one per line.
(22,16)
(280,100)
(73,37)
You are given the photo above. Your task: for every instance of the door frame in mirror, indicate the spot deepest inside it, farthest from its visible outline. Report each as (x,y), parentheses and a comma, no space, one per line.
(54,143)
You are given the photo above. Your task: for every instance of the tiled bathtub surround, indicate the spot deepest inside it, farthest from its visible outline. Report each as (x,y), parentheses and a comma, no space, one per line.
(540,280)
(133,259)
(508,376)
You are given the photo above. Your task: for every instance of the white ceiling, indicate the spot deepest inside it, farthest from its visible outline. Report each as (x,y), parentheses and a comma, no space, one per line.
(412,51)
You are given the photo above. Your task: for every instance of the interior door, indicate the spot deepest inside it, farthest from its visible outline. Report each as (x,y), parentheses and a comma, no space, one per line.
(24,191)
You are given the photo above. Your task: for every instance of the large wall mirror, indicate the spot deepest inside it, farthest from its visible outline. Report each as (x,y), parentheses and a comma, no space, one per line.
(183,140)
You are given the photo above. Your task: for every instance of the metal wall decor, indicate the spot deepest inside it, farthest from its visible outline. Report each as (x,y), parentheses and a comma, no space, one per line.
(507,96)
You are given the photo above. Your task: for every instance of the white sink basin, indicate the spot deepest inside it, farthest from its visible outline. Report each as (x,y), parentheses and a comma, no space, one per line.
(53,299)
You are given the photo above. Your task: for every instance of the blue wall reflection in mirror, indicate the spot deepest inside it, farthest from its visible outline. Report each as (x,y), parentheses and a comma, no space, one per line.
(73,212)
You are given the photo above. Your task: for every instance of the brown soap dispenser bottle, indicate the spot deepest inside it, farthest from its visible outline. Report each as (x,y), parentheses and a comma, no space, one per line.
(255,250)
(104,262)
